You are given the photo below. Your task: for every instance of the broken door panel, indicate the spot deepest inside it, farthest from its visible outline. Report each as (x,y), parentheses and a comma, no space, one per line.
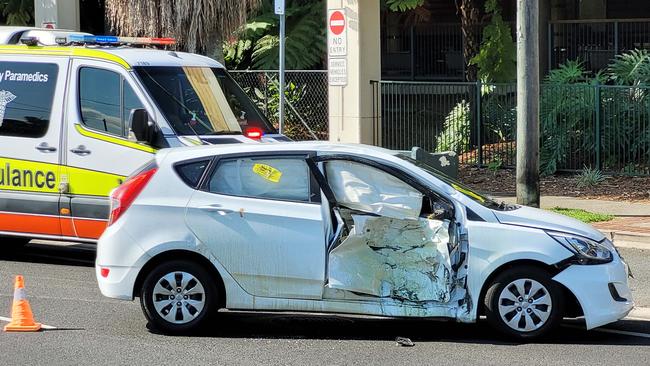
(368,189)
(405,259)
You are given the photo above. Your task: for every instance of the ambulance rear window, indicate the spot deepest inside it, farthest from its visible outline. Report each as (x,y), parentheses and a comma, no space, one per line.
(26,95)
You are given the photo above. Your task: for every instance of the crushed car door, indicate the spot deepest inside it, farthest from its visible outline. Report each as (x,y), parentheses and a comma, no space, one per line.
(398,241)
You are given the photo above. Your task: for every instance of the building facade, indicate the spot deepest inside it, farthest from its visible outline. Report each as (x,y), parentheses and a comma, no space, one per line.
(427,43)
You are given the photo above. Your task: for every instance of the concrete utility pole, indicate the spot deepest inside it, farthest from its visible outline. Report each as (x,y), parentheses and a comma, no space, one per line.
(528,102)
(279,10)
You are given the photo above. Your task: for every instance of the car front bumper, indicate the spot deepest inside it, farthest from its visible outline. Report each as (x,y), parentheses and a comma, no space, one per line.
(592,286)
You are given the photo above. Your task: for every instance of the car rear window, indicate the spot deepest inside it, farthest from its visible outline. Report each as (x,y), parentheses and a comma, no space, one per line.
(26,95)
(191,172)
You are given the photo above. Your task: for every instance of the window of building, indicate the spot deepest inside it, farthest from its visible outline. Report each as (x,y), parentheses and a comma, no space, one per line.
(106,101)
(26,96)
(271,178)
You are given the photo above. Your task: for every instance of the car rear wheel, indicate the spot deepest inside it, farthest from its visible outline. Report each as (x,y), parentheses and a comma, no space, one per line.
(524,303)
(179,297)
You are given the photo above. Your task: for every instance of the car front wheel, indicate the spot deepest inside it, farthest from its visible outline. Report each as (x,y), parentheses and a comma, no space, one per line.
(179,297)
(524,303)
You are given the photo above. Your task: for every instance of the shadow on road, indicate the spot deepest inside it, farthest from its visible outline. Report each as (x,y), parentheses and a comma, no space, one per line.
(297,326)
(70,254)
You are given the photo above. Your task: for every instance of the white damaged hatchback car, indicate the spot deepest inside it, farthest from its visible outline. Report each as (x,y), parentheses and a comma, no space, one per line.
(333,228)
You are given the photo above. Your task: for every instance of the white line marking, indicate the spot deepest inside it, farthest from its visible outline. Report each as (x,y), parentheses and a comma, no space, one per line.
(44,326)
(614,331)
(623,332)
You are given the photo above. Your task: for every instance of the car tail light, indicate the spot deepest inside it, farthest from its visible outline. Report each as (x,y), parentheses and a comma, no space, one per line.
(123,196)
(254,133)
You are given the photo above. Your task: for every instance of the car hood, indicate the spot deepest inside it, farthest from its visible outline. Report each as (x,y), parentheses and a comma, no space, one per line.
(546,220)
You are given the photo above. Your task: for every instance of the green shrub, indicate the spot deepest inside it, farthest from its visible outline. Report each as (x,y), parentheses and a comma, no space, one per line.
(590,177)
(456,132)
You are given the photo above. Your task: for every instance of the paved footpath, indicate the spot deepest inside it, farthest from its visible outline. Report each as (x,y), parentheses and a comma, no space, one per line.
(616,208)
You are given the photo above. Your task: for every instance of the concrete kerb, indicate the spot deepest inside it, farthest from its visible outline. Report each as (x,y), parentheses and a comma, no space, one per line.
(628,239)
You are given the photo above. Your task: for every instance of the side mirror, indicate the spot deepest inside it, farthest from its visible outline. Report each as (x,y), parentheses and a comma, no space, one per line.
(143,128)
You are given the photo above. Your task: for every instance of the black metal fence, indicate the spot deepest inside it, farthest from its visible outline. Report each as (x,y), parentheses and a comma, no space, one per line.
(305,95)
(599,126)
(595,42)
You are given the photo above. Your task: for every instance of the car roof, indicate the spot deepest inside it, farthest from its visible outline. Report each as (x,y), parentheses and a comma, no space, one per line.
(126,56)
(186,153)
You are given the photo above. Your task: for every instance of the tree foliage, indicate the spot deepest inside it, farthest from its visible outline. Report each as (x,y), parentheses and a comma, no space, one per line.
(17,12)
(198,25)
(632,68)
(497,58)
(403,5)
(257,44)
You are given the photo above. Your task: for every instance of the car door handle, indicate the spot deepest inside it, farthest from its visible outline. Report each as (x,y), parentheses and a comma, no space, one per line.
(44,147)
(80,150)
(217,208)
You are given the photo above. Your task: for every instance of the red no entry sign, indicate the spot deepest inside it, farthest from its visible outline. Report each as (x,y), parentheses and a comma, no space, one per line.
(337,22)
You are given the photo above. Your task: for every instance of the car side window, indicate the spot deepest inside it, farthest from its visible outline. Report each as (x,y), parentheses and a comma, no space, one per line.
(106,101)
(282,178)
(26,97)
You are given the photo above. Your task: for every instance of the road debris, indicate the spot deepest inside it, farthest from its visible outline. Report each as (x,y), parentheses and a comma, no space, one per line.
(404,342)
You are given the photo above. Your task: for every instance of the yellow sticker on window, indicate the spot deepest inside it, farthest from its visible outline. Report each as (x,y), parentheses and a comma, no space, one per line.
(467,192)
(267,172)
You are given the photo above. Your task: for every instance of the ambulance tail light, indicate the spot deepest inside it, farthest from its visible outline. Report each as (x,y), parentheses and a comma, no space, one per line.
(123,196)
(254,133)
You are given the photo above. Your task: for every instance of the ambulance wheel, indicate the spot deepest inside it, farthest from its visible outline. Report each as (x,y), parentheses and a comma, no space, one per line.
(14,242)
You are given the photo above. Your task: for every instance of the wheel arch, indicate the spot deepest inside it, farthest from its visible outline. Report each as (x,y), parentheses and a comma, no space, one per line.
(572,307)
(186,255)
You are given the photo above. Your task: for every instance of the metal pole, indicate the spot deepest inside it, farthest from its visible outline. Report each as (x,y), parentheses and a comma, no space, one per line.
(597,125)
(528,102)
(281,91)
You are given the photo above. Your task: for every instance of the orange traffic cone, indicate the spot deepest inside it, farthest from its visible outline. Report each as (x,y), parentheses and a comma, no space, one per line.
(22,318)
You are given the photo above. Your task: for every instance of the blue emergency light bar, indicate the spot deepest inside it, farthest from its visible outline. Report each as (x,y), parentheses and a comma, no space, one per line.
(114,40)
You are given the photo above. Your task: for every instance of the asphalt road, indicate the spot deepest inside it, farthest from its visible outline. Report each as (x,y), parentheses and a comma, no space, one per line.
(63,293)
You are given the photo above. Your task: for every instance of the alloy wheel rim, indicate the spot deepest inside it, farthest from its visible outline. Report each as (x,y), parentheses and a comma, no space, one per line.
(525,305)
(178,297)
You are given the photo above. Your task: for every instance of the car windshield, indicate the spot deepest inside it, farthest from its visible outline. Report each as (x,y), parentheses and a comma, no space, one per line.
(202,100)
(475,196)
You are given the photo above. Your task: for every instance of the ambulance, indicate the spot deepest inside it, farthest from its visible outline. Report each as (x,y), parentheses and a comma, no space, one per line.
(76,119)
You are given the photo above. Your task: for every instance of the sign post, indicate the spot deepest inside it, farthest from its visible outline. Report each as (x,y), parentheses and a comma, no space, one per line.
(279,10)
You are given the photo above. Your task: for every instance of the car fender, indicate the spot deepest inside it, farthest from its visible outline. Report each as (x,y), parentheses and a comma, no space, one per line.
(494,245)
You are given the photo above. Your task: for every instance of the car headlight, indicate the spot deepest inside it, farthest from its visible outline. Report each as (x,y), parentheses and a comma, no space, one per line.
(587,251)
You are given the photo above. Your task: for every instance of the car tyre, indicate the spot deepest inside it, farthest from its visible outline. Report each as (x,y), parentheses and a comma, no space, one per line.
(524,292)
(194,302)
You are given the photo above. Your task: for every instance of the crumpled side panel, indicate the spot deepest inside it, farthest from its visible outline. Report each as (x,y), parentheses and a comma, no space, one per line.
(398,258)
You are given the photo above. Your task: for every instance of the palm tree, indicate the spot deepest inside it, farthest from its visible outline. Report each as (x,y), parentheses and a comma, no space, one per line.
(199,26)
